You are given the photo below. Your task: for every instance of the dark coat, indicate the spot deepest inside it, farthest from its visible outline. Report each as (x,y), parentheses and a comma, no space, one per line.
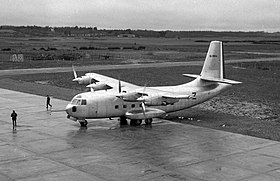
(14,116)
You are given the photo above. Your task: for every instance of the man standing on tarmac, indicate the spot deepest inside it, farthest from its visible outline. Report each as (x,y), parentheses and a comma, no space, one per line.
(14,118)
(48,102)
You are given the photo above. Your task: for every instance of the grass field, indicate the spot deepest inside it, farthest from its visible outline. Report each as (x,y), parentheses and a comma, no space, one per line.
(65,51)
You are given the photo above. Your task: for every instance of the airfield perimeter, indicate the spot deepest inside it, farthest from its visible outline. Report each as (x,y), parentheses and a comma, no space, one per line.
(47,146)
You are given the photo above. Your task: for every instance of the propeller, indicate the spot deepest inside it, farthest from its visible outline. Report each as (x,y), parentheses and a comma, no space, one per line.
(143,106)
(75,74)
(120,86)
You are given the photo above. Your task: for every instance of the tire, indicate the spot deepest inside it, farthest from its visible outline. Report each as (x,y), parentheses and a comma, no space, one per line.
(138,122)
(133,122)
(148,121)
(123,121)
(84,123)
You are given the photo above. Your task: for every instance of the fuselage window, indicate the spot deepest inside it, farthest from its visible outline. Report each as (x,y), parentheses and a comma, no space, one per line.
(124,106)
(132,105)
(116,106)
(84,102)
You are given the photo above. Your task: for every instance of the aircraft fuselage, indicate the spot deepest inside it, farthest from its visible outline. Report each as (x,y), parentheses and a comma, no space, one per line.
(103,104)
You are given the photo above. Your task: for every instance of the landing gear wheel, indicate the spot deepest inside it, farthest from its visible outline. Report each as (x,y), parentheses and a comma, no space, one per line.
(138,122)
(123,120)
(84,123)
(135,122)
(148,121)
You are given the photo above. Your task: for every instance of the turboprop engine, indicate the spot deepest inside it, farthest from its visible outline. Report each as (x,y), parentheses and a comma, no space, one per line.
(131,96)
(98,86)
(156,101)
(83,80)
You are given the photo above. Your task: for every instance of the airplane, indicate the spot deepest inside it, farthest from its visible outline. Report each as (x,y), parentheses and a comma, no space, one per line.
(111,97)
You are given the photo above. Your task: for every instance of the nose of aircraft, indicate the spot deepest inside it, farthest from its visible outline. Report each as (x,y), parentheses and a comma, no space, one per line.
(68,108)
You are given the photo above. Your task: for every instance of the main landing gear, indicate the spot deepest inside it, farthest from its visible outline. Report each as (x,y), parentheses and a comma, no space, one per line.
(148,121)
(123,121)
(135,122)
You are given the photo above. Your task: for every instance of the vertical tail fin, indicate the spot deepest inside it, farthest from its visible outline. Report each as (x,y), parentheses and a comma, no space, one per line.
(213,68)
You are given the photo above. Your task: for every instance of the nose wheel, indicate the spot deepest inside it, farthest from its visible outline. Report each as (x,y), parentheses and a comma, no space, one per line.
(83,123)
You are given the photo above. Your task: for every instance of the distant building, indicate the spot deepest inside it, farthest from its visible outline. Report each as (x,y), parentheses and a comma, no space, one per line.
(126,36)
(17,58)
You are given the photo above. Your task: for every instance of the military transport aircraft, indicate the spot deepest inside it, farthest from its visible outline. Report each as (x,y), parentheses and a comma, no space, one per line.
(114,98)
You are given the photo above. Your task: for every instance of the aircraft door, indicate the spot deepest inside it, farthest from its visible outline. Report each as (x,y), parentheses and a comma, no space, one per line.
(93,109)
(101,109)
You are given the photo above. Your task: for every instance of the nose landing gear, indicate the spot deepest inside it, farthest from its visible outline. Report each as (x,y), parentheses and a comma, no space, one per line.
(83,123)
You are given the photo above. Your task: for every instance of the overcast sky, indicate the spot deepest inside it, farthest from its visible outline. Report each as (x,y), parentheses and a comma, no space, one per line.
(219,15)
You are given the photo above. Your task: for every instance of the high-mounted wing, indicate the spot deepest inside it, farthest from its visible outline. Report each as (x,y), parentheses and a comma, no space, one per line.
(152,97)
(103,82)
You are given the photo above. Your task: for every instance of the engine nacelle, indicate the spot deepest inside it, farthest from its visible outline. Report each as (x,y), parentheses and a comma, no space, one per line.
(153,101)
(83,80)
(158,101)
(129,97)
(99,86)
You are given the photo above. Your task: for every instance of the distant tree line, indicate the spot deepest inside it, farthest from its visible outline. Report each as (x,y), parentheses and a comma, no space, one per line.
(94,32)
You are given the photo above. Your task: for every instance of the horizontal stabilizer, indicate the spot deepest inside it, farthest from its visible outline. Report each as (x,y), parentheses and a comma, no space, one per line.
(226,81)
(191,75)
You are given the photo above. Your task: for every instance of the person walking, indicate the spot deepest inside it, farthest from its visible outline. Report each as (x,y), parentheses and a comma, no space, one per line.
(14,118)
(48,102)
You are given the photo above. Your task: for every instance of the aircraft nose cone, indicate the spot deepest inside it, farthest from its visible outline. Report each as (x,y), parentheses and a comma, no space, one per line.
(68,109)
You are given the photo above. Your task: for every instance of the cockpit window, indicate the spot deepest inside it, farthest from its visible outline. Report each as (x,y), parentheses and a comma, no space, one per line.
(84,102)
(79,102)
(74,101)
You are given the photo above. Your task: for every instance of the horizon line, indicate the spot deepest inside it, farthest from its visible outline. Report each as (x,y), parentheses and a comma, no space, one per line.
(115,29)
